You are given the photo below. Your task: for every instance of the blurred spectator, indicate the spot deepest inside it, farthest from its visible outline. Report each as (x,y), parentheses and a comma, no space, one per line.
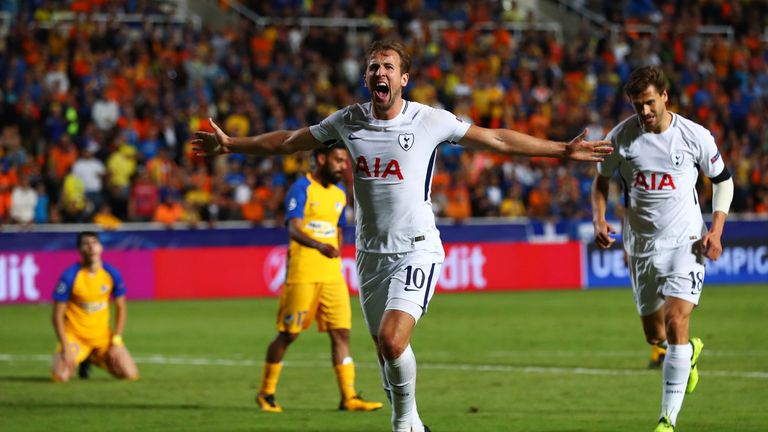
(105,112)
(161,168)
(540,200)
(6,187)
(62,155)
(144,198)
(42,206)
(459,207)
(23,202)
(105,219)
(512,205)
(253,210)
(169,211)
(121,167)
(92,172)
(13,153)
(73,202)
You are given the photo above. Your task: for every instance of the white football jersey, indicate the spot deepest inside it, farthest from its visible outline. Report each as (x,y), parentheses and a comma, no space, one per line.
(392,164)
(658,174)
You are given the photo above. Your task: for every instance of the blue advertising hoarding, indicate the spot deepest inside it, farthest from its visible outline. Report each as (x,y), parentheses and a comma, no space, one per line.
(744,259)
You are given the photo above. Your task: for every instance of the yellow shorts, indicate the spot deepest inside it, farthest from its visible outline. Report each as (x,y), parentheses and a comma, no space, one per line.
(301,303)
(96,349)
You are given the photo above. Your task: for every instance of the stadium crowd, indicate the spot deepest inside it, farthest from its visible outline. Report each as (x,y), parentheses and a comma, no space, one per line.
(96,114)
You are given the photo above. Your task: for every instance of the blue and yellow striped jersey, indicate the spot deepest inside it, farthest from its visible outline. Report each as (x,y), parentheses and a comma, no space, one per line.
(322,212)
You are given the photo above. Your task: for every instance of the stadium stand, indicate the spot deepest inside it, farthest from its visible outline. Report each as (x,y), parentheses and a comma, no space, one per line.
(98,99)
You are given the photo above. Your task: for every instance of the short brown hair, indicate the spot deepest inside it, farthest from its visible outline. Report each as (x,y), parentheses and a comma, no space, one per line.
(644,77)
(84,234)
(391,45)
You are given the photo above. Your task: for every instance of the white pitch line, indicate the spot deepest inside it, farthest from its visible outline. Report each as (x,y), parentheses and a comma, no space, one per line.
(599,353)
(158,359)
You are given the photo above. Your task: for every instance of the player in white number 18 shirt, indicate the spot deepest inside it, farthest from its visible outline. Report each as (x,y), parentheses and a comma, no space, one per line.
(392,144)
(658,154)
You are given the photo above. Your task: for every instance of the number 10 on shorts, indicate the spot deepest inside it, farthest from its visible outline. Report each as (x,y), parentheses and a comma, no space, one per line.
(416,278)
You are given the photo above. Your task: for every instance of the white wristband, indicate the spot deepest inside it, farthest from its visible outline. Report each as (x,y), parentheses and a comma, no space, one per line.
(722,195)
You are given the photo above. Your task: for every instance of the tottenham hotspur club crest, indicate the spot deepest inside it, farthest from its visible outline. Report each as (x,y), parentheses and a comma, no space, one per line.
(405,140)
(677,158)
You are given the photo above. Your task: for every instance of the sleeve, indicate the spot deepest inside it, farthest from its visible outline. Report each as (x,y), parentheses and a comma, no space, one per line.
(445,126)
(64,286)
(118,285)
(296,200)
(608,165)
(710,161)
(327,131)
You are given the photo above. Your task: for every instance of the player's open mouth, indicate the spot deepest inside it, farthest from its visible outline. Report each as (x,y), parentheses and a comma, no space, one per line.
(381,91)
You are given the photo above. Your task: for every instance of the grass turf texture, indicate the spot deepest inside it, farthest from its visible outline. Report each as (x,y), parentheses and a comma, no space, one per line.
(528,361)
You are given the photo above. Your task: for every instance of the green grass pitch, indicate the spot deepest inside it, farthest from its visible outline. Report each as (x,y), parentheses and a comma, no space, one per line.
(526,361)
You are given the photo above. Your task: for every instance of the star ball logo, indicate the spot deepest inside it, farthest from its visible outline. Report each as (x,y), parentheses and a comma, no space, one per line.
(274,268)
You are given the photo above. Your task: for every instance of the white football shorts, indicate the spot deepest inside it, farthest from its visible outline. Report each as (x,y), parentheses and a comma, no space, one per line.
(399,281)
(671,273)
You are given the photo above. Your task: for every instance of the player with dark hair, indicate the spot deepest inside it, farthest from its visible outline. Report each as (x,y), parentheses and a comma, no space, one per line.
(81,315)
(658,154)
(314,288)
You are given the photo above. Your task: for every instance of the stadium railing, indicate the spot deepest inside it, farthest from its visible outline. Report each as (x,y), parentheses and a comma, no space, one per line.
(354,24)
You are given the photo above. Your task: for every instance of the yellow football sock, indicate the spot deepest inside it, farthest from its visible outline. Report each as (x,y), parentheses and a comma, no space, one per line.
(345,375)
(269,380)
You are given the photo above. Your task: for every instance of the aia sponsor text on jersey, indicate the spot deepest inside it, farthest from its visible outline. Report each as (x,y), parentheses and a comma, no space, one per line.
(653,181)
(363,168)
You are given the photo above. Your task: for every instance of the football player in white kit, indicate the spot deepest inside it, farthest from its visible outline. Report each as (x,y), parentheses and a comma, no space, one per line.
(392,143)
(658,154)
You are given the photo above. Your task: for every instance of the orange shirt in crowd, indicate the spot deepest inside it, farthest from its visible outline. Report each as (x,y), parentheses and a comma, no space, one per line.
(8,179)
(253,210)
(539,202)
(168,213)
(62,159)
(458,207)
(5,203)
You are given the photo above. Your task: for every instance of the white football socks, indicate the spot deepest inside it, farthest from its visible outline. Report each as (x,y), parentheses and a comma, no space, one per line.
(677,367)
(401,374)
(385,382)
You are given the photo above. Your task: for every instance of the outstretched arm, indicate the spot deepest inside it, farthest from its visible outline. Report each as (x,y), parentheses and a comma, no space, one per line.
(270,143)
(508,141)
